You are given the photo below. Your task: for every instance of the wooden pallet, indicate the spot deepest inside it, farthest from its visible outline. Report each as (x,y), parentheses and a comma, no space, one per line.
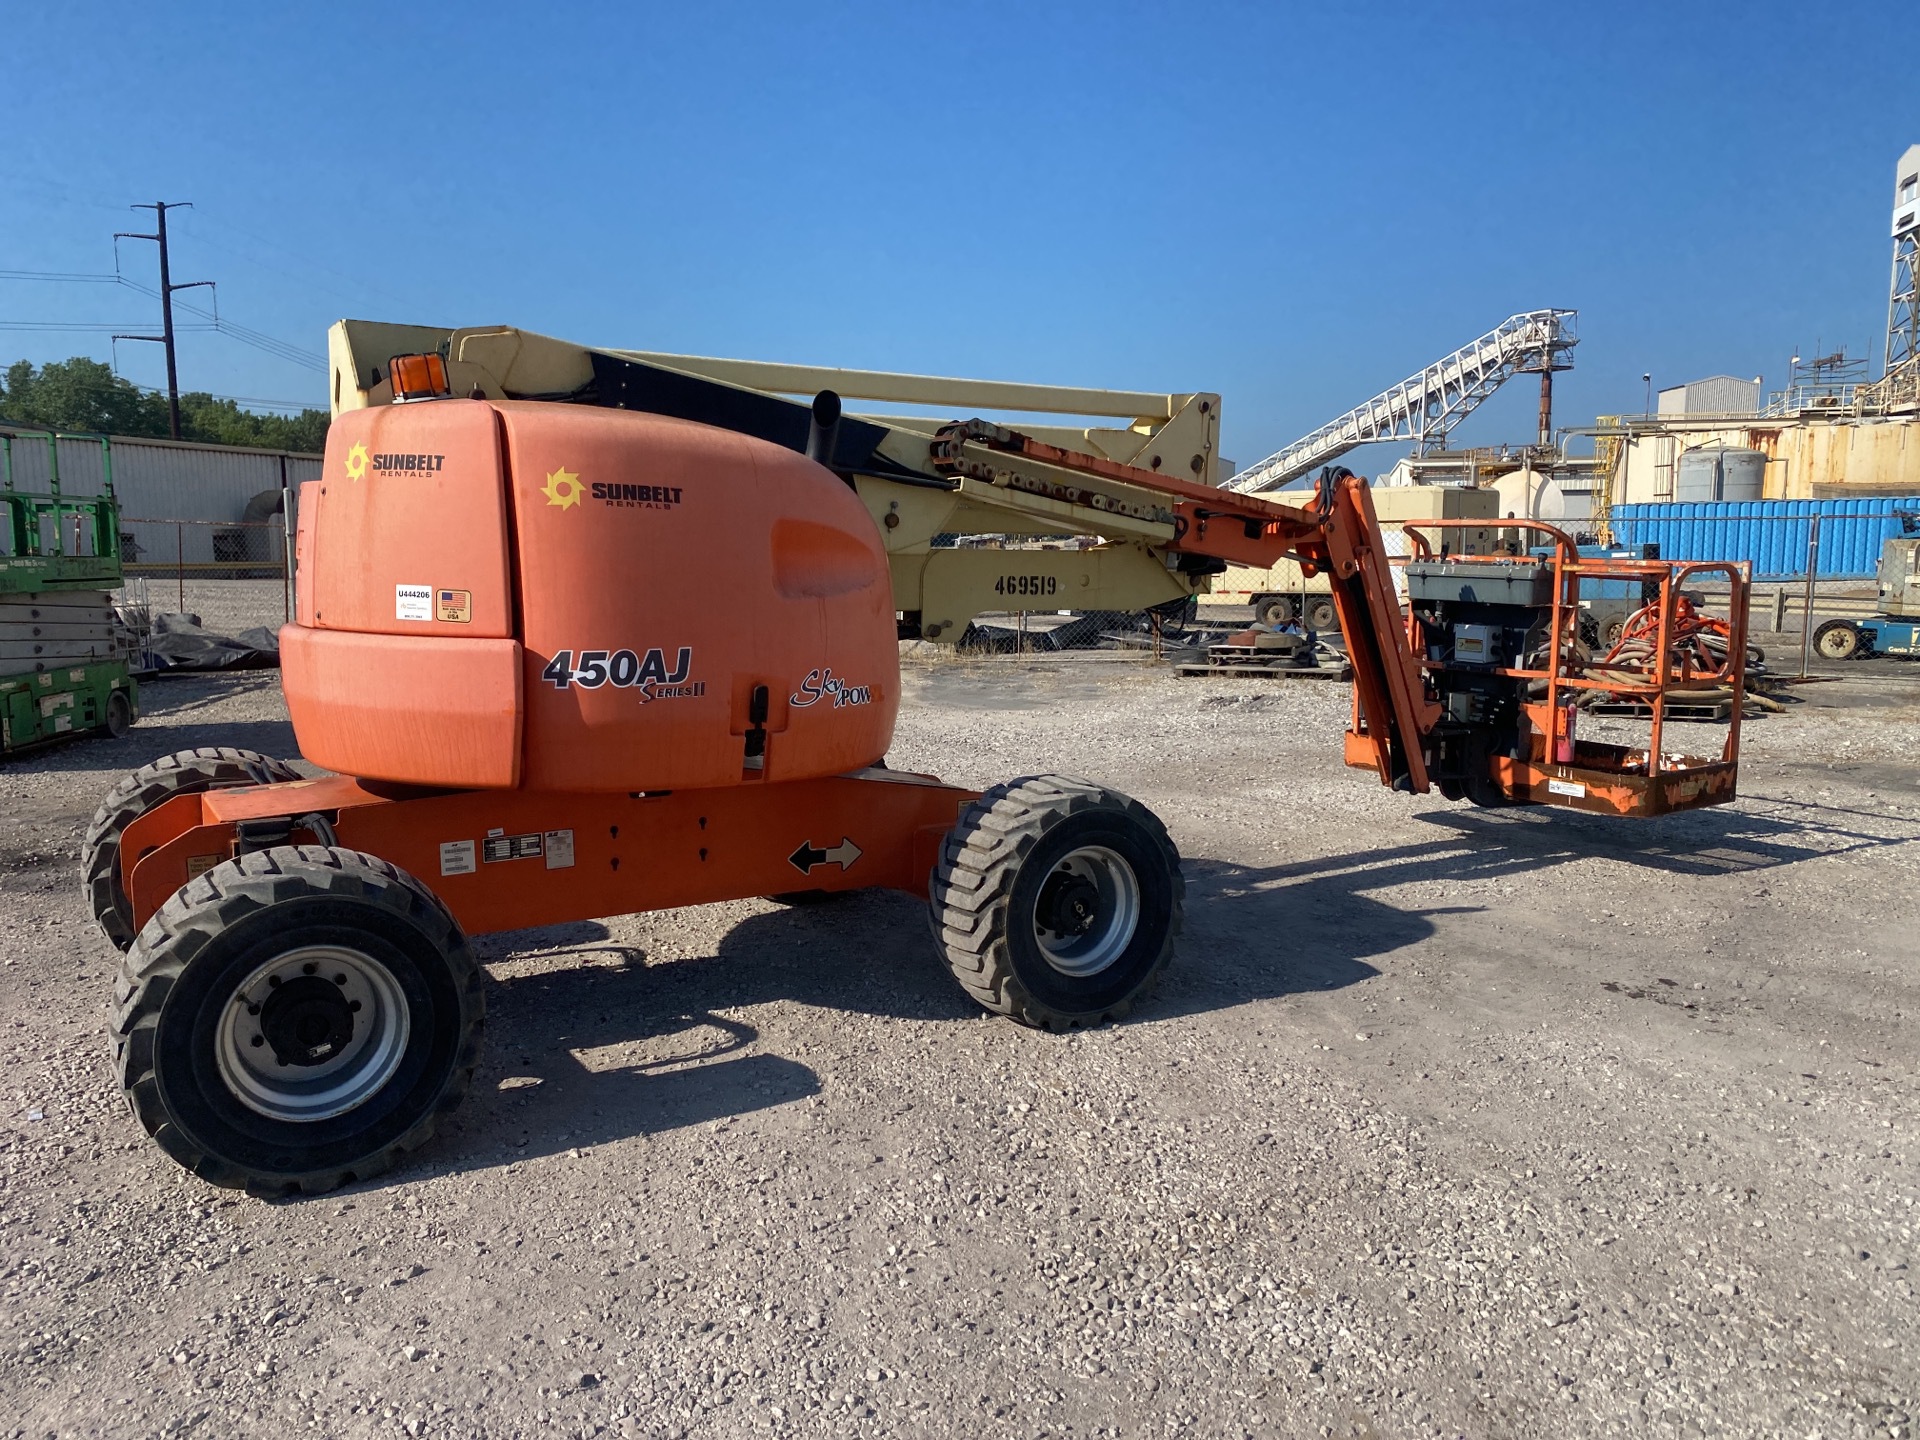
(1710,712)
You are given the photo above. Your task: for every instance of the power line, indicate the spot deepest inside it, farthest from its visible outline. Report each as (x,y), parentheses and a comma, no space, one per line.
(255,339)
(259,340)
(69,276)
(90,325)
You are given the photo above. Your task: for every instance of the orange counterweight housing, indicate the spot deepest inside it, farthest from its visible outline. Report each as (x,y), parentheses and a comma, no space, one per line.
(525,595)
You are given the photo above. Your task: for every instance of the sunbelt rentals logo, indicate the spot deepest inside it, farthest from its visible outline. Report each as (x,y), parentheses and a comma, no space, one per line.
(563,488)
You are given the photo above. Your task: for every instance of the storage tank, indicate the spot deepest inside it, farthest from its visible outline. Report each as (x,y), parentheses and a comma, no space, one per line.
(1720,472)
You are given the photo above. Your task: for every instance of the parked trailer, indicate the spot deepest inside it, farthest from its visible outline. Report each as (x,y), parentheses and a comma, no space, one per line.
(1281,593)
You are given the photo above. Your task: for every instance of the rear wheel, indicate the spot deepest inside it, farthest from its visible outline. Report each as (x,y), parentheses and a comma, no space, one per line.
(187,772)
(1056,902)
(1273,609)
(1321,615)
(1837,640)
(297,1018)
(119,714)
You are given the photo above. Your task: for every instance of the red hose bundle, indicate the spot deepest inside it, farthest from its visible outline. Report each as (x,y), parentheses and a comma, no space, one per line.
(1699,650)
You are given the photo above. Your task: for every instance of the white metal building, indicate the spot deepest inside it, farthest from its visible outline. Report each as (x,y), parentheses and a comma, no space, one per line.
(1715,395)
(177,499)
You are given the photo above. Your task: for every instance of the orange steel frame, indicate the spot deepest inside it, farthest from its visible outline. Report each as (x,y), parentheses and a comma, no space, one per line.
(1606,778)
(649,851)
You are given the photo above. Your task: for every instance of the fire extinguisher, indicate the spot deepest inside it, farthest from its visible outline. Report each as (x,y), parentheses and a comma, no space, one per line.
(1565,714)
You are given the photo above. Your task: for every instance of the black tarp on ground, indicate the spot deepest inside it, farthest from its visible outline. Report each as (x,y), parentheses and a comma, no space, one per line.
(180,642)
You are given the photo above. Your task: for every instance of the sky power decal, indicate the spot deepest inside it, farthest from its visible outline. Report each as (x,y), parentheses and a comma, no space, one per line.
(646,675)
(823,684)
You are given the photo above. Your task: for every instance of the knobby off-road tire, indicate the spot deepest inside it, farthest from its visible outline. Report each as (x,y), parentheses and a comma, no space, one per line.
(187,772)
(295,1019)
(1056,902)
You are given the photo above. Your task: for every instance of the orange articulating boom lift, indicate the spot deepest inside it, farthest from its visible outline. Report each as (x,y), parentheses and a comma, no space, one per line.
(569,660)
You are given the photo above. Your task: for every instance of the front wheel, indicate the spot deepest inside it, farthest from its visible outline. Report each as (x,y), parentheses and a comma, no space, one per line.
(185,772)
(297,1018)
(1837,640)
(1056,902)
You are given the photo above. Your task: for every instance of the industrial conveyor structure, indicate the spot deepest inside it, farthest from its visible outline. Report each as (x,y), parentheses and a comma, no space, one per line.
(1426,406)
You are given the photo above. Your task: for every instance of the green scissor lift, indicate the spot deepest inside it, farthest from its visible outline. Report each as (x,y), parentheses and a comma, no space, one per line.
(61,671)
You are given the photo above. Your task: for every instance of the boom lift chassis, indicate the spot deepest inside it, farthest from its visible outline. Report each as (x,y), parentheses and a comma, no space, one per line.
(299,1003)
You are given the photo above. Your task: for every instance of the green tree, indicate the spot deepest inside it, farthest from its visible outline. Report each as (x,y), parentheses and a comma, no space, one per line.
(83,394)
(80,394)
(221,422)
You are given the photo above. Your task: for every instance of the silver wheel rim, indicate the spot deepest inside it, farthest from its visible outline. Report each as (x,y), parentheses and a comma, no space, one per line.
(347,1040)
(1106,882)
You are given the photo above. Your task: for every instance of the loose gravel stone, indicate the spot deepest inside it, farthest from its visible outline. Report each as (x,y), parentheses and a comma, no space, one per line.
(1442,1122)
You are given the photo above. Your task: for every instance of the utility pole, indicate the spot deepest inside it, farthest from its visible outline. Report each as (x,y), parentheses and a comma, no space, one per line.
(167,287)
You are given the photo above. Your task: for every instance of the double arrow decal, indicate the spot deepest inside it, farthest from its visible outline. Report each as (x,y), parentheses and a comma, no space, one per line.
(807,856)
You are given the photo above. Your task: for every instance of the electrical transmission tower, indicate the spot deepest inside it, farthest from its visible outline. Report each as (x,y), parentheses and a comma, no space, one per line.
(167,287)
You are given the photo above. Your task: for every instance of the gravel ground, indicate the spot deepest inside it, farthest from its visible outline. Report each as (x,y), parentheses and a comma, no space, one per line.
(1443,1122)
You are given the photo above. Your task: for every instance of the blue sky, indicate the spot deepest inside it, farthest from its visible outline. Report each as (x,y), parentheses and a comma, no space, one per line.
(1292,205)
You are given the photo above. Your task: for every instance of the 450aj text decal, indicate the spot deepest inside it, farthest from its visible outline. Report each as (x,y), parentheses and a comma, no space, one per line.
(625,669)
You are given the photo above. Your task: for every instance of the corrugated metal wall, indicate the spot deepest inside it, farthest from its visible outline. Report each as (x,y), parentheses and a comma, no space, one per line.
(158,480)
(1770,533)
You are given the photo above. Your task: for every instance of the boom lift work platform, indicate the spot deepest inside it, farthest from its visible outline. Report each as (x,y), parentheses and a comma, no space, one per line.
(588,654)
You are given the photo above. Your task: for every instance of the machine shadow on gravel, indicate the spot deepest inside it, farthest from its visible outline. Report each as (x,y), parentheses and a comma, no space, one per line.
(1725,841)
(1251,937)
(173,717)
(609,1046)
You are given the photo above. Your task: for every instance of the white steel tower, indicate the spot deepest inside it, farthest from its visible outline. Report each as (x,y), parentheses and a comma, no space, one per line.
(1903,305)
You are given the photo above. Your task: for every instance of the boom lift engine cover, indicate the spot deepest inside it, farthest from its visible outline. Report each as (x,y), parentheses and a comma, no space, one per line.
(651,602)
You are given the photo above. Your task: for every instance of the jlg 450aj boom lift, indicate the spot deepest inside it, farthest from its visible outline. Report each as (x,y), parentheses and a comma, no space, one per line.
(567,660)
